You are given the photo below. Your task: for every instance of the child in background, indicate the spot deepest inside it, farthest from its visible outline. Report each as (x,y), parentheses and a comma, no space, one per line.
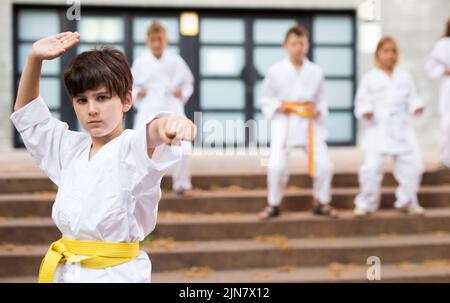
(385,99)
(438,67)
(292,99)
(163,82)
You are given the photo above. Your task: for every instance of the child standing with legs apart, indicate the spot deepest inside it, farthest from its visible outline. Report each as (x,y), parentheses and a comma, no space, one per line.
(385,99)
(438,67)
(163,82)
(292,99)
(109,179)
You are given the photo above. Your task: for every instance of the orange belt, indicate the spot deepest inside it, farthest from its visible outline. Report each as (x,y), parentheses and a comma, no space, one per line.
(305,109)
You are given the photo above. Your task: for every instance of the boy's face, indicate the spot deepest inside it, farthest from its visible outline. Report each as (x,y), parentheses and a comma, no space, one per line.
(387,55)
(157,42)
(296,46)
(98,112)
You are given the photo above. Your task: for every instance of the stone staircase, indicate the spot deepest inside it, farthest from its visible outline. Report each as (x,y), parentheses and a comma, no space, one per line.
(215,235)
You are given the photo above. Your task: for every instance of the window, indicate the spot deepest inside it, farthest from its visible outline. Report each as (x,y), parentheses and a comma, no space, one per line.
(221,84)
(334,50)
(231,31)
(229,58)
(34,24)
(212,96)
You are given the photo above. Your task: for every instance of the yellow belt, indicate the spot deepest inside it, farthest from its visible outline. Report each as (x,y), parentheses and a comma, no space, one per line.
(102,255)
(305,109)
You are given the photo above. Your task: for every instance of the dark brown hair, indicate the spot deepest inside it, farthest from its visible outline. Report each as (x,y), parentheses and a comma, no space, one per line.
(447,29)
(105,66)
(155,28)
(296,30)
(384,40)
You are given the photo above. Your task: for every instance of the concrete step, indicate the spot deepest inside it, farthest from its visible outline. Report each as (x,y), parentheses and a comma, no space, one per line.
(298,199)
(425,272)
(260,253)
(229,200)
(38,182)
(201,227)
(340,179)
(278,251)
(26,183)
(430,271)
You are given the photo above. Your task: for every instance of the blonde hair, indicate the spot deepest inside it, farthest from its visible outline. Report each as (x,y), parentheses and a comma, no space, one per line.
(383,41)
(155,28)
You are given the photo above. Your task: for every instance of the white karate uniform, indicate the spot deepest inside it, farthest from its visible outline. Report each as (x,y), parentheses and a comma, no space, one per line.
(435,66)
(112,197)
(283,82)
(159,78)
(393,101)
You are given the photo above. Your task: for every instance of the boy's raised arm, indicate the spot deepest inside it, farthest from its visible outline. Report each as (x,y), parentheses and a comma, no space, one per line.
(45,49)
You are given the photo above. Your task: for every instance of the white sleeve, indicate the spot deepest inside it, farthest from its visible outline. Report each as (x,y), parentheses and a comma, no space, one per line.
(186,82)
(363,99)
(435,65)
(322,104)
(45,137)
(414,100)
(151,170)
(136,71)
(269,100)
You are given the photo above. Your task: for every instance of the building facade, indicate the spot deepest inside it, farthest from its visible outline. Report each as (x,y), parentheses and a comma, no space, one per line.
(235,44)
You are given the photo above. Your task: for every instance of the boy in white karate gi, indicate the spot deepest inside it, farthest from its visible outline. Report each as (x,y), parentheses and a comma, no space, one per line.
(163,82)
(292,99)
(385,100)
(438,67)
(109,179)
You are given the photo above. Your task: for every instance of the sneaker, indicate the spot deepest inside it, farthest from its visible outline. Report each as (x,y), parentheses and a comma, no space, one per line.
(360,212)
(442,165)
(416,211)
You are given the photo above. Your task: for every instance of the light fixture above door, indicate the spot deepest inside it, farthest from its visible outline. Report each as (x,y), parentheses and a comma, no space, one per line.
(189,24)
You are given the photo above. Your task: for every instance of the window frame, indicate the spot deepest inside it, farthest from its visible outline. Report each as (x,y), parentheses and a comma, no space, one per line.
(189,47)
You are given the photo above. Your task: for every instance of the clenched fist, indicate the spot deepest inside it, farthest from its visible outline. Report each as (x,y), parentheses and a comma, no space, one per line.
(170,130)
